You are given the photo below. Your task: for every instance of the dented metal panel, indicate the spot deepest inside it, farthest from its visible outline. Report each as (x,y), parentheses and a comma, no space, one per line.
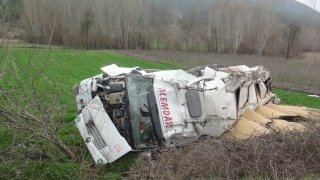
(252,99)
(243,97)
(101,136)
(191,82)
(241,68)
(232,105)
(215,100)
(263,90)
(171,113)
(209,72)
(215,126)
(233,82)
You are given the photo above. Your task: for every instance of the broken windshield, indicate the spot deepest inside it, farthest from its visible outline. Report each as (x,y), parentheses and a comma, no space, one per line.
(142,129)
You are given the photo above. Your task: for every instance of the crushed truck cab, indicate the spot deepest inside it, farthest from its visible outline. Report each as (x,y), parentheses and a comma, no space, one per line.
(126,109)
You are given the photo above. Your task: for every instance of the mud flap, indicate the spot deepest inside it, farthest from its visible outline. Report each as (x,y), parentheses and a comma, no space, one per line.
(99,133)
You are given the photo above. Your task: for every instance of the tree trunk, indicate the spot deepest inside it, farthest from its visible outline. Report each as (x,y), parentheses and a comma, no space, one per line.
(65,149)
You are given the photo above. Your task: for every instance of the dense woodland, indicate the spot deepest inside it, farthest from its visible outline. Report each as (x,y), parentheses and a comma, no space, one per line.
(227,26)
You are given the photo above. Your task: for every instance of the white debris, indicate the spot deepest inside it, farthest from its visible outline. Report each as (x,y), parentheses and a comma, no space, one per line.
(314,96)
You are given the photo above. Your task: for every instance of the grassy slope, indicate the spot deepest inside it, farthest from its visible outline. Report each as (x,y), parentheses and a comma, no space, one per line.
(297,99)
(64,68)
(71,66)
(67,67)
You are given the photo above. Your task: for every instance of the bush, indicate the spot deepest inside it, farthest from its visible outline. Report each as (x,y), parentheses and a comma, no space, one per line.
(279,155)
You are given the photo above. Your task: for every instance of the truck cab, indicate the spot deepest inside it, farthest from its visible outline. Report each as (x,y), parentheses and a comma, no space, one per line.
(127,109)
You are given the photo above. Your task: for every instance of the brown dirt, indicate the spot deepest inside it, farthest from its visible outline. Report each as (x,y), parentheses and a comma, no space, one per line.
(311,90)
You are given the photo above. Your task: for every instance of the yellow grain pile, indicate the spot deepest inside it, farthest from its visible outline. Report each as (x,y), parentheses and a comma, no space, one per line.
(266,119)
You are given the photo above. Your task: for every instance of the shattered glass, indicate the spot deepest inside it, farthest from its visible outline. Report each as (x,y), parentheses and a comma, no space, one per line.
(143,134)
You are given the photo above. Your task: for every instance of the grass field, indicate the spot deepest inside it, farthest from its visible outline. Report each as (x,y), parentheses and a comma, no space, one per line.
(310,58)
(297,99)
(64,68)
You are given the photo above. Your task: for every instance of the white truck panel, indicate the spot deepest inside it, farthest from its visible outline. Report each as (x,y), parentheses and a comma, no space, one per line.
(263,90)
(215,100)
(97,156)
(208,72)
(173,74)
(94,124)
(243,97)
(252,99)
(114,70)
(215,127)
(232,105)
(170,111)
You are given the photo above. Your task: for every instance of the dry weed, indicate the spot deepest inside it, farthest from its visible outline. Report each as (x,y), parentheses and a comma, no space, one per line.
(278,155)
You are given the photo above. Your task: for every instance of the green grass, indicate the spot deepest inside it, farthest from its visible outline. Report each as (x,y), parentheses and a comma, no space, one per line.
(63,69)
(5,137)
(297,99)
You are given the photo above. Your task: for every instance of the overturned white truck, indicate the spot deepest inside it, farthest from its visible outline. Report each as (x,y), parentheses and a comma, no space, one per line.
(126,109)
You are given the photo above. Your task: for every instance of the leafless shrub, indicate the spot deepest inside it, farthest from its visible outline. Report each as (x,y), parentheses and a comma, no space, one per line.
(279,155)
(37,139)
(33,117)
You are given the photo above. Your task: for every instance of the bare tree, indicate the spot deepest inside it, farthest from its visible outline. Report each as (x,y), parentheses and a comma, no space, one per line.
(4,13)
(215,23)
(314,19)
(27,108)
(77,23)
(102,26)
(132,19)
(68,13)
(40,21)
(143,33)
(190,23)
(174,36)
(86,24)
(242,19)
(161,23)
(221,24)
(232,26)
(291,36)
(266,21)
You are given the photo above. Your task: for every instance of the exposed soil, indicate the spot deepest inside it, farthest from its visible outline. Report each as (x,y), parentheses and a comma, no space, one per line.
(311,90)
